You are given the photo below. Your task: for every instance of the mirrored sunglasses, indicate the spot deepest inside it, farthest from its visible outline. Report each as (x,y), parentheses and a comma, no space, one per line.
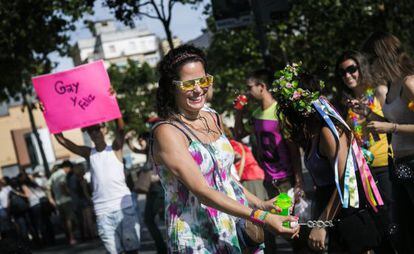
(189,85)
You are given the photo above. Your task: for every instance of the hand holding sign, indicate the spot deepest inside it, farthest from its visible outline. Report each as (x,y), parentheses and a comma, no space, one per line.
(77,98)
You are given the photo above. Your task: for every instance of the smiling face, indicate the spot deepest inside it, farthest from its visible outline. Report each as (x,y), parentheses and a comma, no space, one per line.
(193,100)
(350,73)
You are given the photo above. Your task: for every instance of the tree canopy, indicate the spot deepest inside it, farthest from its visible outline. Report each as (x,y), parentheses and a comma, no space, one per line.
(314,32)
(135,87)
(127,10)
(29,32)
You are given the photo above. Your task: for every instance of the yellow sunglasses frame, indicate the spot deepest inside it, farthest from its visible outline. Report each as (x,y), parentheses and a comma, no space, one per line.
(196,82)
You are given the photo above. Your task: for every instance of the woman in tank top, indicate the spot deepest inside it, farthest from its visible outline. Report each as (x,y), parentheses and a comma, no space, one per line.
(193,159)
(391,65)
(309,120)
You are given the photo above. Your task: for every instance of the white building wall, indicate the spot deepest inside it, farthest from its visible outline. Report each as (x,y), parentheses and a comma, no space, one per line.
(140,45)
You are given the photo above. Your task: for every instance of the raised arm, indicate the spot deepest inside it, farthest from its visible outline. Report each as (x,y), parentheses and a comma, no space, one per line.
(119,135)
(239,129)
(133,148)
(171,151)
(83,151)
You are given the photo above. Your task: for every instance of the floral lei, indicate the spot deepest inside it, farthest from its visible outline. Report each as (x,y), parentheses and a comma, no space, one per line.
(286,91)
(355,119)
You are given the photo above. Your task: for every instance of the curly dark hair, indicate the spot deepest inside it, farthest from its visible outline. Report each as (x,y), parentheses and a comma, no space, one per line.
(168,69)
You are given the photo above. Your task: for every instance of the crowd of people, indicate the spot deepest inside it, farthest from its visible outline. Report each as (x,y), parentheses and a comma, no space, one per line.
(29,201)
(217,189)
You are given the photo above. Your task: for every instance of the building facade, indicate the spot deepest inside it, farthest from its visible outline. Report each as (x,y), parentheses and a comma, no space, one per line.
(115,46)
(19,150)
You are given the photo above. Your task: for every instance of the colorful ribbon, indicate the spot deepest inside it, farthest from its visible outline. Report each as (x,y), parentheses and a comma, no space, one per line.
(355,161)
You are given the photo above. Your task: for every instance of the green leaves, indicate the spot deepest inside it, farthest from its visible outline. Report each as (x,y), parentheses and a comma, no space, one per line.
(135,87)
(29,32)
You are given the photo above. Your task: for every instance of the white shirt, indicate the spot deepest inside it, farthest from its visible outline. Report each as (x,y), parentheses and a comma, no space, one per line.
(110,192)
(4,197)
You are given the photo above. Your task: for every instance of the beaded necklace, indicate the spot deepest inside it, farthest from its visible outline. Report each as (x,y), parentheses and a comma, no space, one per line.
(363,140)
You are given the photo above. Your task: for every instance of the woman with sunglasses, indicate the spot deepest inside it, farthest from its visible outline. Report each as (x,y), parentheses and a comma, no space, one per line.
(355,83)
(193,159)
(393,66)
(362,106)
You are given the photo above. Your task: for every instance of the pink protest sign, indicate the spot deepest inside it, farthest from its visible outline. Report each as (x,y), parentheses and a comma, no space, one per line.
(76,98)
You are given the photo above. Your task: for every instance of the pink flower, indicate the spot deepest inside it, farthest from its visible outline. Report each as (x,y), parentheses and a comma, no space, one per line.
(289,85)
(296,95)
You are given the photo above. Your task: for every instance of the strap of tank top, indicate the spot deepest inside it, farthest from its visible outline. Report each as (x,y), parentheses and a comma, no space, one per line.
(170,123)
(181,123)
(151,139)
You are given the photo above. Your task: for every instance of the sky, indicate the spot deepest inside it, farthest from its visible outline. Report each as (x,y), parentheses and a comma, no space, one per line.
(187,23)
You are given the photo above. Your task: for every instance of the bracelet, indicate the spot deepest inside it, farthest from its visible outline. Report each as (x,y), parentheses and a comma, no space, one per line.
(258,216)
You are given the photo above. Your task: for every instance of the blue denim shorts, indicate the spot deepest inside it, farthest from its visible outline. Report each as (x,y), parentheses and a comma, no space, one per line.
(119,230)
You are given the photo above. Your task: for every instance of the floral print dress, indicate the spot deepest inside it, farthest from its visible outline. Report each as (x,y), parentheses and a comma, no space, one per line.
(191,226)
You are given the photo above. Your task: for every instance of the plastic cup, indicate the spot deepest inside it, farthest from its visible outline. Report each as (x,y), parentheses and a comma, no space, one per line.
(284,202)
(240,102)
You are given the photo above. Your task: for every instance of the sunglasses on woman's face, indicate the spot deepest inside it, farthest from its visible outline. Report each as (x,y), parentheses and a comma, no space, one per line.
(350,69)
(189,85)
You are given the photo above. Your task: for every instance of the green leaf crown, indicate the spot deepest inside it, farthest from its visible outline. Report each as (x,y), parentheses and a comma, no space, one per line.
(288,93)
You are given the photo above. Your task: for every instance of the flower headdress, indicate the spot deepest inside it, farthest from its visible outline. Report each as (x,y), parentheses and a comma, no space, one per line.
(287,91)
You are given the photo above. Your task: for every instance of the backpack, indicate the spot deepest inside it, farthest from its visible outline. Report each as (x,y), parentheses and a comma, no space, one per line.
(17,204)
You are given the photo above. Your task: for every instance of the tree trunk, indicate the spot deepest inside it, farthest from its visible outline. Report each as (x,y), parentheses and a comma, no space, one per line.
(169,35)
(28,105)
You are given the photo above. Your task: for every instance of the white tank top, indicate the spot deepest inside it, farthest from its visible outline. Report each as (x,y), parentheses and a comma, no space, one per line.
(110,192)
(397,112)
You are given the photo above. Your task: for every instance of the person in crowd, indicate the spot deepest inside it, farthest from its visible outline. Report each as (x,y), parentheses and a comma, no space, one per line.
(251,175)
(39,211)
(342,185)
(39,177)
(353,75)
(193,159)
(155,196)
(276,155)
(83,193)
(19,210)
(392,65)
(5,220)
(59,197)
(117,221)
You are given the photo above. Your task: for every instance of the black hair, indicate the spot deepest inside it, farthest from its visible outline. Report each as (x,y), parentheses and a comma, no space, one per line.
(15,184)
(66,164)
(168,69)
(144,135)
(263,76)
(27,181)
